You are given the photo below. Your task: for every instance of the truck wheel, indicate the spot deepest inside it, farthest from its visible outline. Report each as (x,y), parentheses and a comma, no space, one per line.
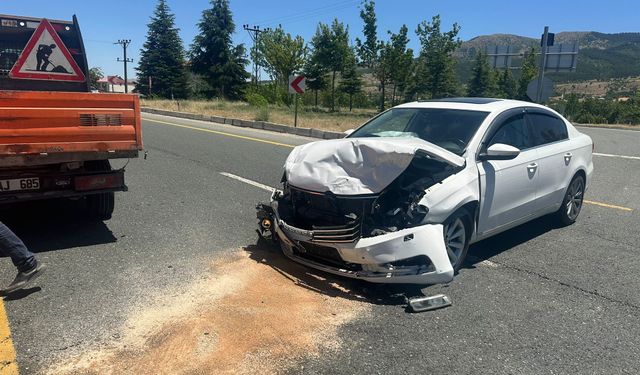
(101,205)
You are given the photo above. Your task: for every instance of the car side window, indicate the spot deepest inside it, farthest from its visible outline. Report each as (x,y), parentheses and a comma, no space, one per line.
(546,128)
(513,132)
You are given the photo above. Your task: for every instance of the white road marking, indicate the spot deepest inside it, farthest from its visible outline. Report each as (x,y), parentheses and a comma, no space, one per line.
(617,156)
(249,182)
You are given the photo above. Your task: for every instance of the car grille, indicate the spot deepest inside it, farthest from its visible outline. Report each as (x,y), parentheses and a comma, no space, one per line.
(341,233)
(331,218)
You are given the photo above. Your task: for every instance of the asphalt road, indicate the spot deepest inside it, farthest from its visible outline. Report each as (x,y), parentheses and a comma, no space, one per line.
(536,299)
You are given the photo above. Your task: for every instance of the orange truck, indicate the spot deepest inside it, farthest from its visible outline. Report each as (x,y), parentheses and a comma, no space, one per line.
(56,136)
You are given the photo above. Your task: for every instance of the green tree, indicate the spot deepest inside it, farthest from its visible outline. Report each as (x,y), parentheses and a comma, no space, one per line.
(330,50)
(482,82)
(368,49)
(162,57)
(401,61)
(383,70)
(280,54)
(435,73)
(528,72)
(350,82)
(95,74)
(213,54)
(316,77)
(507,85)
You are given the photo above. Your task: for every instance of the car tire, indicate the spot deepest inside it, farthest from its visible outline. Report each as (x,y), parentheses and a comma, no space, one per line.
(457,233)
(572,203)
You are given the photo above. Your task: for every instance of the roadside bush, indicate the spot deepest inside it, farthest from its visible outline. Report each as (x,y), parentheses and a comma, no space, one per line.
(255,99)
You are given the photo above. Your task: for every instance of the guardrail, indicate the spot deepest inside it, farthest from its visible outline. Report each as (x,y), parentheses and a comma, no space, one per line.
(305,132)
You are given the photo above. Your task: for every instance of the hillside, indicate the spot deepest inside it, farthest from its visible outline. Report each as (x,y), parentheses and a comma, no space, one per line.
(602,56)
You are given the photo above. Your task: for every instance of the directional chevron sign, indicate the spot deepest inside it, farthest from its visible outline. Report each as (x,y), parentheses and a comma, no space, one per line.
(297,84)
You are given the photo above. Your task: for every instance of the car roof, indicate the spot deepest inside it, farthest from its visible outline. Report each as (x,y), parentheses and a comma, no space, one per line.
(473,104)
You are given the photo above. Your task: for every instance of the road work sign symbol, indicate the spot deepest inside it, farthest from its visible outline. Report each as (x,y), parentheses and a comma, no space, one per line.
(297,84)
(46,57)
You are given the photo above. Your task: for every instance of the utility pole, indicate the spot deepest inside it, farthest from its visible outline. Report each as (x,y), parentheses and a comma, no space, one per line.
(124,43)
(254,33)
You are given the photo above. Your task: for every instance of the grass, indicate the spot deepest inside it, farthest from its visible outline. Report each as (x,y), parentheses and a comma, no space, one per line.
(308,117)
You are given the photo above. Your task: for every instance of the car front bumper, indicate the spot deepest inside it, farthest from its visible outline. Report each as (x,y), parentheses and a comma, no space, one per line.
(413,256)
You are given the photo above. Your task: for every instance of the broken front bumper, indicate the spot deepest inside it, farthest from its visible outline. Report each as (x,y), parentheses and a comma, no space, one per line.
(413,256)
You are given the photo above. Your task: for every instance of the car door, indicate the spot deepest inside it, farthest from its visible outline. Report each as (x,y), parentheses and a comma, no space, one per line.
(508,187)
(555,155)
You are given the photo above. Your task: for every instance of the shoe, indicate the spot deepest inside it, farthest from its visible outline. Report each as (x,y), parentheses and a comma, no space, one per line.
(24,278)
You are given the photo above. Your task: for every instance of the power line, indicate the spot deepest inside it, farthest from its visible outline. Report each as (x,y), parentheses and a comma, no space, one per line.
(309,13)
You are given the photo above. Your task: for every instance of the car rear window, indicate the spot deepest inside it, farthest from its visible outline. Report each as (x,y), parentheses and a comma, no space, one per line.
(547,129)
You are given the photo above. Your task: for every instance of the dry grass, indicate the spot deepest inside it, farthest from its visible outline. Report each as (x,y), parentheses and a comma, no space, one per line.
(307,117)
(597,88)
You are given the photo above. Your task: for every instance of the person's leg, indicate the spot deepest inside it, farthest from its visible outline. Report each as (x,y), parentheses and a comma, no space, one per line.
(28,267)
(12,246)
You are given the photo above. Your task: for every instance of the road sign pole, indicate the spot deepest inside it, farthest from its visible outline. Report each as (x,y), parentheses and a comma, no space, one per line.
(295,111)
(543,63)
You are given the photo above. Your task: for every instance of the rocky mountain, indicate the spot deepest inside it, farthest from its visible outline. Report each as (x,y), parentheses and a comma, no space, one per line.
(602,56)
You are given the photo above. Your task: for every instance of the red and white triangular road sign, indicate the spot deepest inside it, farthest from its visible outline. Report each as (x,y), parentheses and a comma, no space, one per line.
(46,57)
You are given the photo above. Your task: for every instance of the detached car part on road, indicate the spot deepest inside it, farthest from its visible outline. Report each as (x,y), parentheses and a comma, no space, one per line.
(400,199)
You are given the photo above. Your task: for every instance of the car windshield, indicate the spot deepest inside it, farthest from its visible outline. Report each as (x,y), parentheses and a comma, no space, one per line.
(450,129)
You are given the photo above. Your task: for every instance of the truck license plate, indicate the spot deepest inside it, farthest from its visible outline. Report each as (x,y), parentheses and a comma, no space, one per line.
(18,184)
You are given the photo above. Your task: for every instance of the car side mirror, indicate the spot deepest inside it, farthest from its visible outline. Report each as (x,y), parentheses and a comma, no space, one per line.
(348,132)
(500,151)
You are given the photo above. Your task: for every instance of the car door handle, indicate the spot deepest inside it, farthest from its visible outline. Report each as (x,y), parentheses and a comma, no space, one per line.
(532,167)
(567,157)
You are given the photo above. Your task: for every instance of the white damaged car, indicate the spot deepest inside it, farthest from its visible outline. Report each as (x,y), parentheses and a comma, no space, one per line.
(400,199)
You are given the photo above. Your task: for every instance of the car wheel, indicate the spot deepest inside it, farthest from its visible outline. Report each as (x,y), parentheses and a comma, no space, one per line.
(572,203)
(456,238)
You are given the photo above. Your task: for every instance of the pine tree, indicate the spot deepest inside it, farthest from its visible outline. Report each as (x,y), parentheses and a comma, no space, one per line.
(350,82)
(213,54)
(528,72)
(436,62)
(482,82)
(507,85)
(162,58)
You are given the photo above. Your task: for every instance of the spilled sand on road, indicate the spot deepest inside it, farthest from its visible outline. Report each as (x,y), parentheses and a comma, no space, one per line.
(255,313)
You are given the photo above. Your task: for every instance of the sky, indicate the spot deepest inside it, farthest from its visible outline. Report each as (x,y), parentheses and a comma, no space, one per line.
(104,22)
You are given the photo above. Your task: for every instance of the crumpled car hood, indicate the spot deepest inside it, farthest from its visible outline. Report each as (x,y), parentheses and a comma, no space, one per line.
(356,166)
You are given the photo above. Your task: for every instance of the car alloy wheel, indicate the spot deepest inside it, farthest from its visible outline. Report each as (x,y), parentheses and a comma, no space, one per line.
(455,240)
(575,195)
